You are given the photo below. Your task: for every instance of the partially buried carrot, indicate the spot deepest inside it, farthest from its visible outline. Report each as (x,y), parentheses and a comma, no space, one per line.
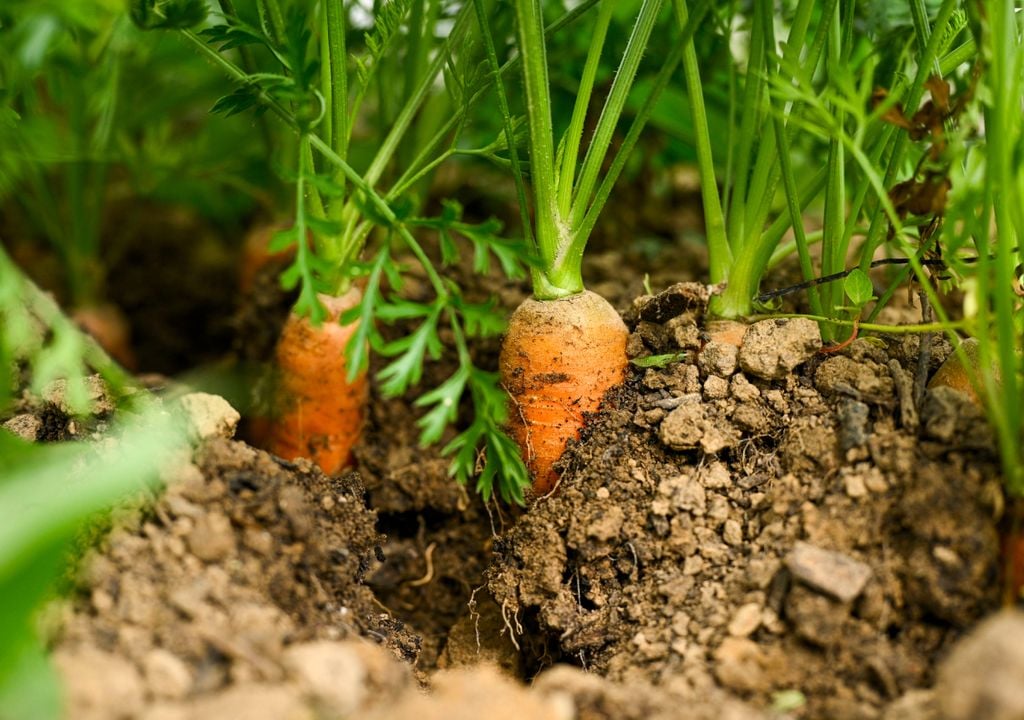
(319,413)
(558,359)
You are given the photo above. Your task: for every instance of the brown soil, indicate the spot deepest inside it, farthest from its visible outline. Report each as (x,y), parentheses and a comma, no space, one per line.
(732,534)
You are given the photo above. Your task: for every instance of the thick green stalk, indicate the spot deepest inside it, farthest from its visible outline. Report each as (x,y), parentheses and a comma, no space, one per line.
(612,110)
(795,212)
(574,135)
(273,19)
(719,251)
(335,90)
(753,90)
(1003,127)
(506,115)
(661,80)
(550,226)
(833,252)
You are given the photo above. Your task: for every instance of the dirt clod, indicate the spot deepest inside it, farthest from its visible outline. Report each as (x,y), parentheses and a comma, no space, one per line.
(773,348)
(209,416)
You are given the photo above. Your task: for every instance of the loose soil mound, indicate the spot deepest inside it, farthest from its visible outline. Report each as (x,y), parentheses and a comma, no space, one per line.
(724,526)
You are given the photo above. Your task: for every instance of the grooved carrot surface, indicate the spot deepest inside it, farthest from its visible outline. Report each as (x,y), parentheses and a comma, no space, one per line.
(320,414)
(558,359)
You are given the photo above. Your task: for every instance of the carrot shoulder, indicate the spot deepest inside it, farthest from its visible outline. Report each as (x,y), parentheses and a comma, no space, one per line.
(319,414)
(558,359)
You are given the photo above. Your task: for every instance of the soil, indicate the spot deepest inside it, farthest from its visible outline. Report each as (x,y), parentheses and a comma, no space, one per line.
(772,532)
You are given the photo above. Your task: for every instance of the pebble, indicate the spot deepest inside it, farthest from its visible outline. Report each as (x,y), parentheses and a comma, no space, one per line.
(26,426)
(773,348)
(746,620)
(716,388)
(212,538)
(98,685)
(718,358)
(167,676)
(209,416)
(830,572)
(331,672)
(740,665)
(855,486)
(981,677)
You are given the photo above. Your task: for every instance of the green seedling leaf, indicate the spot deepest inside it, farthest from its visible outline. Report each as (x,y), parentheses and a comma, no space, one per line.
(327,186)
(357,353)
(858,288)
(407,369)
(445,399)
(242,99)
(482,319)
(323,227)
(162,14)
(399,309)
(658,361)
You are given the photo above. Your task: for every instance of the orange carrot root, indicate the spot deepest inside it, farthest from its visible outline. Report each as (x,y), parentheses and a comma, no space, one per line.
(558,359)
(256,255)
(320,414)
(109,328)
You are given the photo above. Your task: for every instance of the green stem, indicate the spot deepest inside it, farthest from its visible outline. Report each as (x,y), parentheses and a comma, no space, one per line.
(612,110)
(549,224)
(506,114)
(335,88)
(795,215)
(719,250)
(574,135)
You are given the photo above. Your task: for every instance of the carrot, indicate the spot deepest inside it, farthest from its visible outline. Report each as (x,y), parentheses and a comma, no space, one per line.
(319,413)
(256,254)
(558,359)
(109,327)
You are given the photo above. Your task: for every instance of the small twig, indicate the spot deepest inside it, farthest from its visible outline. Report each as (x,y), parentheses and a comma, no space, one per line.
(924,353)
(845,343)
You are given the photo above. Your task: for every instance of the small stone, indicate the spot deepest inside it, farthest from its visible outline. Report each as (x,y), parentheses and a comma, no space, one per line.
(715,476)
(332,672)
(252,701)
(167,676)
(773,348)
(96,396)
(209,416)
(855,486)
(742,389)
(98,685)
(685,493)
(607,524)
(693,565)
(716,388)
(740,665)
(981,677)
(603,493)
(746,620)
(718,358)
(830,572)
(732,532)
(26,426)
(212,538)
